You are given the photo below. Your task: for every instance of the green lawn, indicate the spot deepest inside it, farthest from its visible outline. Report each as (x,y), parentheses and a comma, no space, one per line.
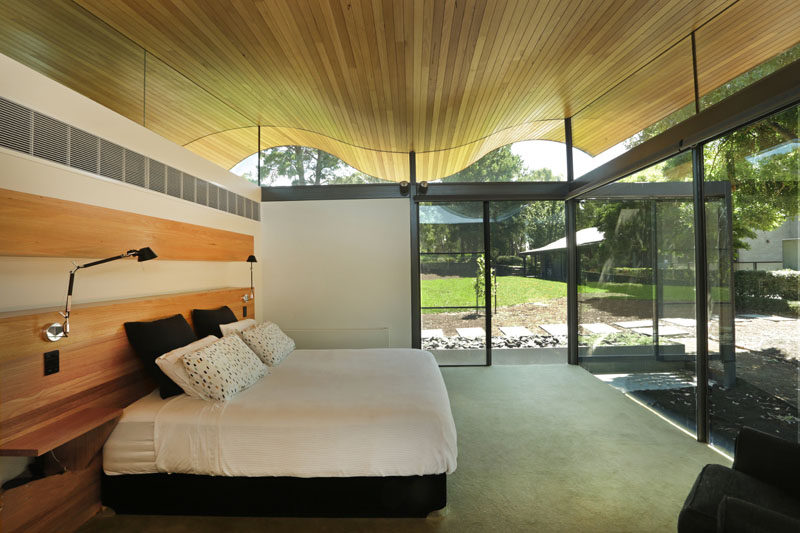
(512,290)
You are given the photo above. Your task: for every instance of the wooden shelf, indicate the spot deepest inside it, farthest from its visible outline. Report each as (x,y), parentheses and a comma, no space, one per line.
(52,436)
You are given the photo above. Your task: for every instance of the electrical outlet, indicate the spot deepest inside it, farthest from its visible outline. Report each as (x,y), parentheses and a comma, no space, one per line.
(51,365)
(244,310)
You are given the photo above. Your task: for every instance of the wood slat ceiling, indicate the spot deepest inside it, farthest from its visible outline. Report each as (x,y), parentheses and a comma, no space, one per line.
(371,80)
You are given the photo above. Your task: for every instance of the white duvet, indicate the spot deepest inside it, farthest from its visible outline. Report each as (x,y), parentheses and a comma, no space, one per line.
(321,413)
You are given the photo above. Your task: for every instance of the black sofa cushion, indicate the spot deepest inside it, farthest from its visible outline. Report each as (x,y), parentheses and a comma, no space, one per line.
(739,516)
(151,339)
(207,321)
(699,513)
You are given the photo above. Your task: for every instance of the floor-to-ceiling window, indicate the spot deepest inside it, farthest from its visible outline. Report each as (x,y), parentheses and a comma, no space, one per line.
(635,249)
(753,249)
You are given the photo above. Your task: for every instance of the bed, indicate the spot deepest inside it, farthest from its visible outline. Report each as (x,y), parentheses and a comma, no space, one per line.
(326,433)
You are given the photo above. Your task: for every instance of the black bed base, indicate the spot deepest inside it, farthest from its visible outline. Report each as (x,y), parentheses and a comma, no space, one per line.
(187,494)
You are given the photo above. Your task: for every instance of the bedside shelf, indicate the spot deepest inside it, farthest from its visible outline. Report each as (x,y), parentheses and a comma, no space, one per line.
(53,435)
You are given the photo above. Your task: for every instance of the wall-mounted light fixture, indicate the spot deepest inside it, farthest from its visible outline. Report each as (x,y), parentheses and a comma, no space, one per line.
(247,297)
(57,331)
(423,187)
(404,187)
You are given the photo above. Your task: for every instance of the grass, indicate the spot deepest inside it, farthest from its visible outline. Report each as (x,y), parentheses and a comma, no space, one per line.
(514,290)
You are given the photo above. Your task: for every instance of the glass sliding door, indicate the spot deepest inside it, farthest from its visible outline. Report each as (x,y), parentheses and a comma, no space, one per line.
(753,248)
(636,288)
(529,263)
(452,302)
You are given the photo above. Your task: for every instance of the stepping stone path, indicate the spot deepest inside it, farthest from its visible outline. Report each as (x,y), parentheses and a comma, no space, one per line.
(685,322)
(599,329)
(516,331)
(431,333)
(471,333)
(635,324)
(663,331)
(557,330)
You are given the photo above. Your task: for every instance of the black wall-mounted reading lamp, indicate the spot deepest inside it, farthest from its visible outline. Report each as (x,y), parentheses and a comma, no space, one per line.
(57,331)
(247,297)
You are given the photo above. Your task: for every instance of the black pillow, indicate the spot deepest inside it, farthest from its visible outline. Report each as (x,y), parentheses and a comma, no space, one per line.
(207,321)
(151,339)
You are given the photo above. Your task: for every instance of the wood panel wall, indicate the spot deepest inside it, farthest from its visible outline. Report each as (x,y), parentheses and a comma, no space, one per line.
(98,366)
(39,226)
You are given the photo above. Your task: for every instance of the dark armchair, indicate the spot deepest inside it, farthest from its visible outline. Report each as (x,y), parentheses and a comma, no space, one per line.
(760,493)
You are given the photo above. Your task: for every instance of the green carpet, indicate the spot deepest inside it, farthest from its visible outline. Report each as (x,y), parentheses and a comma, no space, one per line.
(541,448)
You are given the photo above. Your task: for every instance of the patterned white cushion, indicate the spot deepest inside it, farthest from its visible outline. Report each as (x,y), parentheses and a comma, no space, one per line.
(237,327)
(269,343)
(171,364)
(224,368)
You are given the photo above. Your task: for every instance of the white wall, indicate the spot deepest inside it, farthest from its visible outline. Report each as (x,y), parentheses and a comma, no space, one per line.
(31,283)
(337,273)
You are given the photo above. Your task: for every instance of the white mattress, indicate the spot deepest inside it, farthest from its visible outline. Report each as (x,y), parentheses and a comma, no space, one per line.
(321,413)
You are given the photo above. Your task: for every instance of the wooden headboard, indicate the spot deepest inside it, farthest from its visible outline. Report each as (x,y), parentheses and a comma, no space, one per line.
(98,369)
(97,364)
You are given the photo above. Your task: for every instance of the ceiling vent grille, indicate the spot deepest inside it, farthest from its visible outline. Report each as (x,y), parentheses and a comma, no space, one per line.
(188,187)
(15,126)
(84,150)
(135,169)
(201,192)
(157,176)
(50,138)
(24,130)
(112,160)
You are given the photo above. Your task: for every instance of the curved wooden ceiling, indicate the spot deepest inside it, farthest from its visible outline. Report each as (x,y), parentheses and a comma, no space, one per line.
(370,81)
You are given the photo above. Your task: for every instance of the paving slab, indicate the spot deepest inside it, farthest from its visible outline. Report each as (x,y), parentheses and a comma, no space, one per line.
(557,330)
(776,318)
(431,333)
(635,324)
(599,328)
(685,322)
(471,333)
(663,331)
(516,331)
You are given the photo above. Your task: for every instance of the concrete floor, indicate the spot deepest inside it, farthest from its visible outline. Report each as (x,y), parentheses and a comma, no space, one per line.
(541,448)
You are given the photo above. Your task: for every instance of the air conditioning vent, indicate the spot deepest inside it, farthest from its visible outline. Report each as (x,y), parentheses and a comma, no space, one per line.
(135,169)
(201,192)
(84,149)
(174,182)
(157,176)
(188,187)
(15,126)
(112,160)
(50,138)
(32,133)
(212,195)
(222,204)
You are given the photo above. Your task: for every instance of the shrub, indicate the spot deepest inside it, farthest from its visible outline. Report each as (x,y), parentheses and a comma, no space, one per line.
(783,284)
(512,260)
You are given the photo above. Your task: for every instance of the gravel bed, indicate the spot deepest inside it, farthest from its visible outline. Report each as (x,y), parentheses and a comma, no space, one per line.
(461,343)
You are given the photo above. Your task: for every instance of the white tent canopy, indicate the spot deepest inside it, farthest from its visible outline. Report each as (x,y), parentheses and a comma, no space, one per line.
(584,236)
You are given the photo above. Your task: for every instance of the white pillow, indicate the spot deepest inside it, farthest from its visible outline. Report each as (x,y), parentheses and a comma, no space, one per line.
(171,364)
(236,327)
(269,343)
(224,368)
